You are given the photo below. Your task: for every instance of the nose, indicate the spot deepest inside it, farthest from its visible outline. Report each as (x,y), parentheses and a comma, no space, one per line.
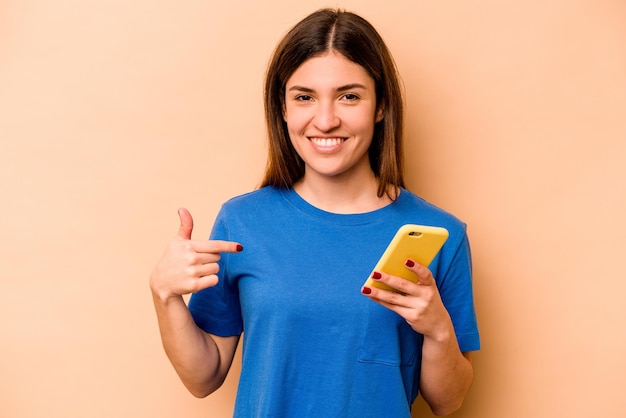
(326,118)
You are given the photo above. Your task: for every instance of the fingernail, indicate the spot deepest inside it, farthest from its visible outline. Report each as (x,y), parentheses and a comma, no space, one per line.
(409,263)
(366,290)
(239,248)
(376,275)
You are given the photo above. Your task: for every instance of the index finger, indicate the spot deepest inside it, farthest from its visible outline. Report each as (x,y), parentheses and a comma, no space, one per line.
(217,246)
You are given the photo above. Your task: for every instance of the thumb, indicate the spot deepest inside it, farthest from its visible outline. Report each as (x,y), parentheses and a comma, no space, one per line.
(424,276)
(186,224)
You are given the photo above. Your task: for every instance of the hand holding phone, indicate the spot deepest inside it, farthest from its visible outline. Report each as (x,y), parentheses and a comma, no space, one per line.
(417,242)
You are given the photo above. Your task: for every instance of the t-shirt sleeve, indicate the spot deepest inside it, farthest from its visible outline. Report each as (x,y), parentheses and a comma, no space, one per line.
(455,287)
(217,310)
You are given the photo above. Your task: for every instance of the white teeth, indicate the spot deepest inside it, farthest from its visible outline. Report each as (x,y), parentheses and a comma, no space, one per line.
(327,142)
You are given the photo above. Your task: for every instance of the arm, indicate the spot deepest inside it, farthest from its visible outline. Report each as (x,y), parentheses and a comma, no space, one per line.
(446,373)
(201,360)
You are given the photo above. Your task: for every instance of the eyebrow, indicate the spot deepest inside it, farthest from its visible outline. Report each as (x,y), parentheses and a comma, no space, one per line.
(351,86)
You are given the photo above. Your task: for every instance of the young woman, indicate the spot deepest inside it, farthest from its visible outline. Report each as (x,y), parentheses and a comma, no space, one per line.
(316,342)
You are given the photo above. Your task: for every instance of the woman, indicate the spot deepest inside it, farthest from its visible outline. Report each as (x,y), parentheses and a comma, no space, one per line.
(317,343)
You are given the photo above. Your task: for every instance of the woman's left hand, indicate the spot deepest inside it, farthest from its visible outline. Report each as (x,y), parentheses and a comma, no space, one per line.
(419,303)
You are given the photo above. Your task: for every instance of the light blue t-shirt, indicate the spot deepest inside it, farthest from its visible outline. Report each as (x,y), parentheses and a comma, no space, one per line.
(313,345)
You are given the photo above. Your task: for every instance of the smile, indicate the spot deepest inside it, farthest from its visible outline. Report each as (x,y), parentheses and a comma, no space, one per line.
(326,142)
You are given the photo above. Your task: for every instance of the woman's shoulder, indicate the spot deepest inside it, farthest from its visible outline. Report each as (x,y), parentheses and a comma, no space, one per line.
(258,198)
(427,212)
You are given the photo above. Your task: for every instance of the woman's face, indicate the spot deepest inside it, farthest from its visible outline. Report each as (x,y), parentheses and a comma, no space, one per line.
(330,111)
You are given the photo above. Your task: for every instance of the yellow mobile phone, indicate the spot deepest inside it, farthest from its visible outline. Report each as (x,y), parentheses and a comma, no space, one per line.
(417,242)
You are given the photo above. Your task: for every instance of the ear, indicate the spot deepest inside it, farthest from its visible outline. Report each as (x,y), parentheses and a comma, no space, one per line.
(380,114)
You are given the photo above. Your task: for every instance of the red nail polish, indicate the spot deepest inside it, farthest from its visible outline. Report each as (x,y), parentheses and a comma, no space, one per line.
(366,290)
(239,248)
(409,263)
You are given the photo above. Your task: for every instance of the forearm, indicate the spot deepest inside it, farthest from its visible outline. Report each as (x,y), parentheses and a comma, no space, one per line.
(193,353)
(446,373)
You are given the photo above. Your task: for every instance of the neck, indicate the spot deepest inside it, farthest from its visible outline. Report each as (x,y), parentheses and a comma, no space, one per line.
(344,196)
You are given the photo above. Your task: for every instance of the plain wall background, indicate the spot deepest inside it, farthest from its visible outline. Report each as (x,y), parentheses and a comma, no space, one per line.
(114,113)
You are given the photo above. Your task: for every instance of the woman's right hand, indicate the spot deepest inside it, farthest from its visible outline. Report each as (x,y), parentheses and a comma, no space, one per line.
(188,266)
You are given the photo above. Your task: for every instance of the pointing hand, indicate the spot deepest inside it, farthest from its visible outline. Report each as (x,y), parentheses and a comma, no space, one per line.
(188,266)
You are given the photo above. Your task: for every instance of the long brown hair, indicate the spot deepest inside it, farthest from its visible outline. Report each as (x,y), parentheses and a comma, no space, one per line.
(356,39)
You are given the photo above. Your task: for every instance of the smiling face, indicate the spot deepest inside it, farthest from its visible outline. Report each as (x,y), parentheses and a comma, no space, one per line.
(330,111)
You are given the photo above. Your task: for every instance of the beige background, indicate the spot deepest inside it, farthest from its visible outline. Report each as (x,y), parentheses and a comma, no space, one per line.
(115,113)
